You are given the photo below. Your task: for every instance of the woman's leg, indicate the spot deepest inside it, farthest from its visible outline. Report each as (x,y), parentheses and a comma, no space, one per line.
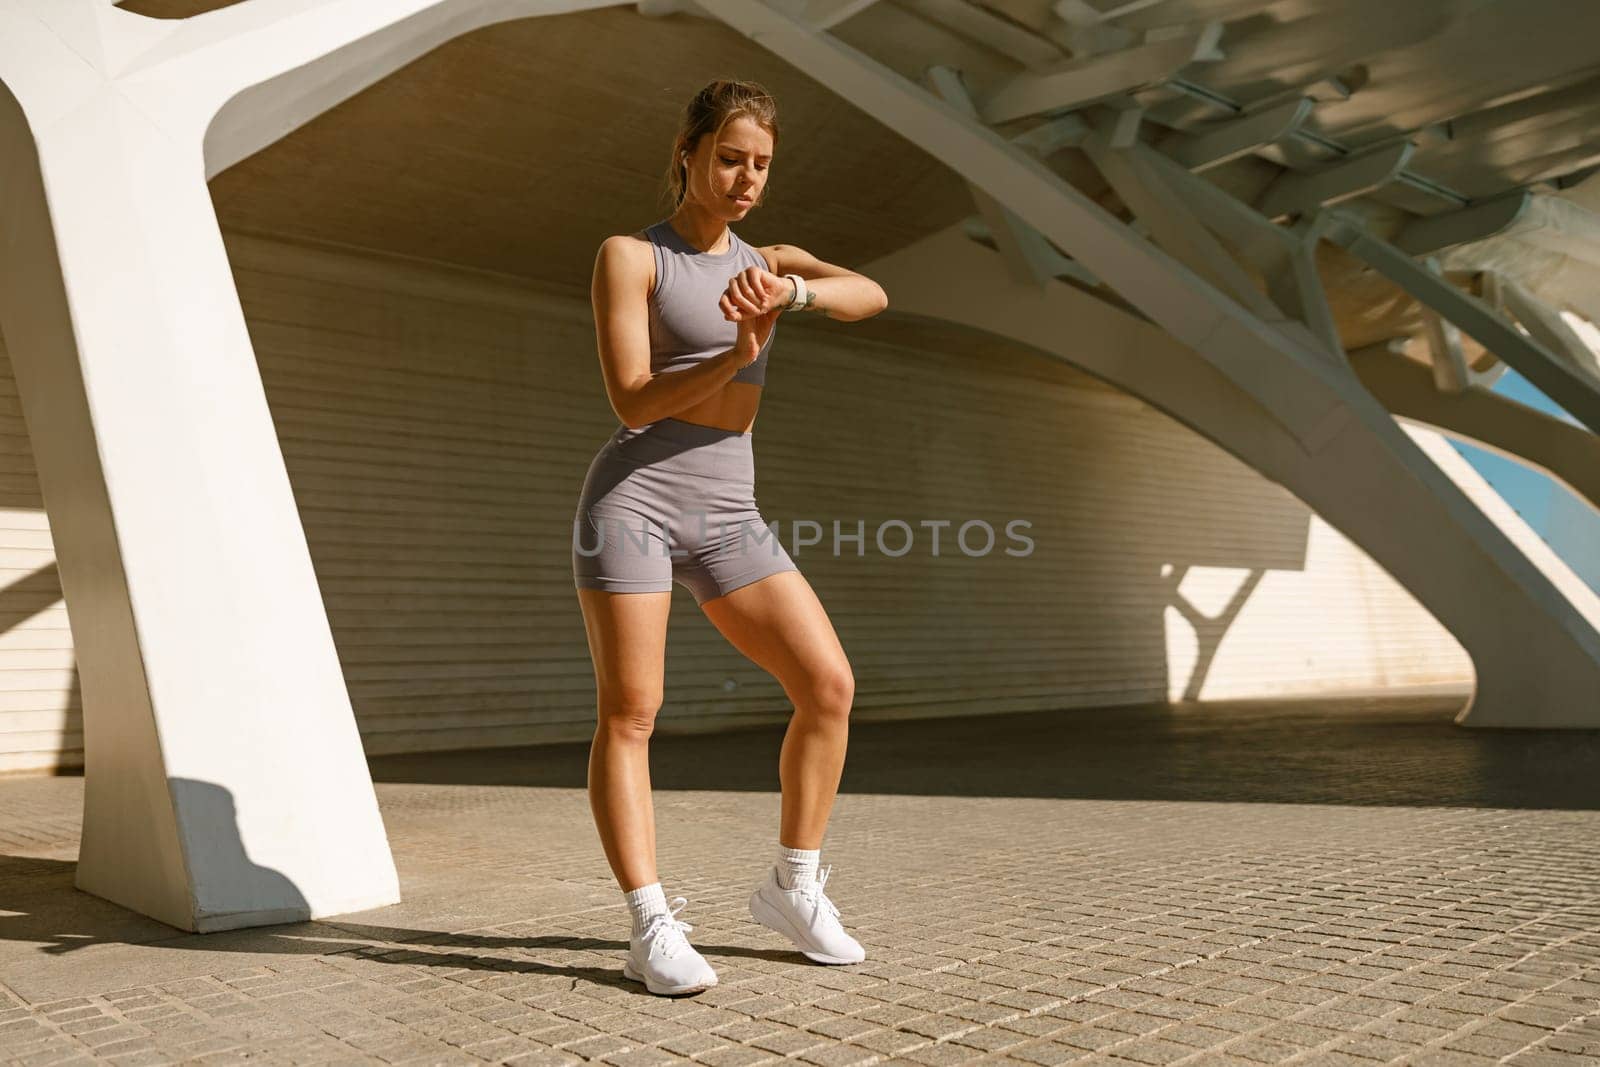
(627,640)
(779,623)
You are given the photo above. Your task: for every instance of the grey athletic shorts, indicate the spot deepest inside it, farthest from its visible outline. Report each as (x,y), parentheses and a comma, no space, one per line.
(673,502)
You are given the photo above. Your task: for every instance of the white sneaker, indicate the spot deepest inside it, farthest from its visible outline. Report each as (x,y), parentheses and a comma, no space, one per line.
(662,958)
(807,917)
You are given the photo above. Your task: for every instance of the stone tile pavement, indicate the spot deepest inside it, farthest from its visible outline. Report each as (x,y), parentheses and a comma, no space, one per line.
(1327,883)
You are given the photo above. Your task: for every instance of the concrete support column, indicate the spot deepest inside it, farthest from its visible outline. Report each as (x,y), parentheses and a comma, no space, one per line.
(225,780)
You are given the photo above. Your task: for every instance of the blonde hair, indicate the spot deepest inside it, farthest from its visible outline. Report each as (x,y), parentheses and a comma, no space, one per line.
(718,103)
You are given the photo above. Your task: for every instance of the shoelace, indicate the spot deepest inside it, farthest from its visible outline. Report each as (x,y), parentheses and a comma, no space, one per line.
(812,892)
(665,931)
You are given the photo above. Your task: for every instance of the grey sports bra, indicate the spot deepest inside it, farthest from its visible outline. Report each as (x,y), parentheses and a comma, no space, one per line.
(686,324)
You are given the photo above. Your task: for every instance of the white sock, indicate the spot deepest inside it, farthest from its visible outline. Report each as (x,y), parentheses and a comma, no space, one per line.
(644,902)
(797,866)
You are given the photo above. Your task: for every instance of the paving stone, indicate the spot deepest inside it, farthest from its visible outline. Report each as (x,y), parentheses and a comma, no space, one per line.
(1541,1058)
(991,1040)
(1261,1050)
(1152,1051)
(1091,1038)
(737,1056)
(1197,1036)
(1283,885)
(943,1054)
(1448,1058)
(889,1042)
(1045,1054)
(840,1055)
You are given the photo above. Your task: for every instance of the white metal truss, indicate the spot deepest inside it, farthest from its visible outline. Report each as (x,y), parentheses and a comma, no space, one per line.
(1305,193)
(977,23)
(1082,81)
(1447,359)
(1030,258)
(1546,326)
(1434,232)
(1569,385)
(1231,139)
(1272,394)
(1175,228)
(1283,256)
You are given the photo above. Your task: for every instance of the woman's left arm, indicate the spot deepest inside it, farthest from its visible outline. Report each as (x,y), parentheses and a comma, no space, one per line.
(835,291)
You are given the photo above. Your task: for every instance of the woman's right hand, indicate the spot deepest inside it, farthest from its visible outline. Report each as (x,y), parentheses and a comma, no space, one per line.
(753,333)
(754,299)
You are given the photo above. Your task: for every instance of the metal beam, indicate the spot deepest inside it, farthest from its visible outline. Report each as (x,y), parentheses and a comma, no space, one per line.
(1124,129)
(1446,359)
(1060,266)
(826,14)
(1029,258)
(1549,328)
(1286,257)
(1289,378)
(1294,282)
(1571,388)
(1302,193)
(1222,142)
(1255,237)
(1312,43)
(1085,81)
(1081,13)
(1472,223)
(973,22)
(1173,227)
(1052,135)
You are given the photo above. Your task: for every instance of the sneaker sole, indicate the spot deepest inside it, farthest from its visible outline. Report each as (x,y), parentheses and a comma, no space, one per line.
(764,914)
(660,990)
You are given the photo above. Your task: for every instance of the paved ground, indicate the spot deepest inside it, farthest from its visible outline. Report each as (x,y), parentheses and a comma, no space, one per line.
(1329,885)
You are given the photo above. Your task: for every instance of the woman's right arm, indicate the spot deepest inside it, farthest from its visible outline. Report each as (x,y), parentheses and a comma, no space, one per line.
(620,292)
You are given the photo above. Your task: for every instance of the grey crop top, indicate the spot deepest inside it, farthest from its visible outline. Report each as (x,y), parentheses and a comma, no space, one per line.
(686,323)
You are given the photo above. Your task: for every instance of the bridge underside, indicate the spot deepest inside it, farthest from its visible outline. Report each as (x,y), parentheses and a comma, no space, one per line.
(1194,264)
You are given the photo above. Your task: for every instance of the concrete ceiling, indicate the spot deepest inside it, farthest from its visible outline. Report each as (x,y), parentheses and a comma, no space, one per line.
(519,147)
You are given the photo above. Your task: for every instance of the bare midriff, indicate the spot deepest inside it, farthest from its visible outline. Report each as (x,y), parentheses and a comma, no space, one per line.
(733,407)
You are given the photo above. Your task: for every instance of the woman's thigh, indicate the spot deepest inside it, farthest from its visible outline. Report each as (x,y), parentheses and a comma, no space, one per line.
(627,635)
(779,623)
(623,577)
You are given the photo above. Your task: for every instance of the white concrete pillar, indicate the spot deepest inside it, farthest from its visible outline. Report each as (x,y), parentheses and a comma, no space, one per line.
(225,780)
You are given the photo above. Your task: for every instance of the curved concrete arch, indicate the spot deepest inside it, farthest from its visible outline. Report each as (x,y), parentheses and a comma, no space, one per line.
(1536,656)
(362,43)
(1540,442)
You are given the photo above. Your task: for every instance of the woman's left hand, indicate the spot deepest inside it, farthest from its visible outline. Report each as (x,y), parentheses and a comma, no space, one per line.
(753,292)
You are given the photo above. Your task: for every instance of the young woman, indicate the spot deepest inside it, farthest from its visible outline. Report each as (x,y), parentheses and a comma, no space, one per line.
(684,315)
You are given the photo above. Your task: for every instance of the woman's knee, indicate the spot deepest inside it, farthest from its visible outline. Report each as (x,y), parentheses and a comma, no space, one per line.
(832,691)
(629,713)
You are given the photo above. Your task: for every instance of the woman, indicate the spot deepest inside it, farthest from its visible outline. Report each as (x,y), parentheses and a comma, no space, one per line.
(684,316)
